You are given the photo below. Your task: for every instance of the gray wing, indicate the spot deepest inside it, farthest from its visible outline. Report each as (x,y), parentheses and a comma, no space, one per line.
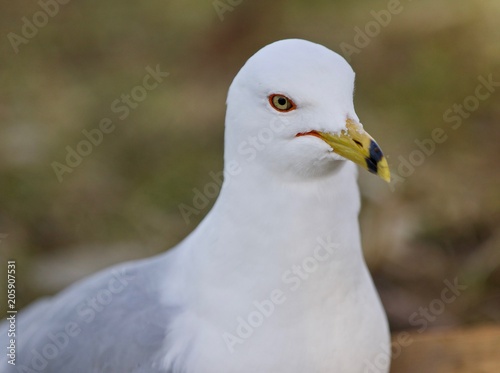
(111,322)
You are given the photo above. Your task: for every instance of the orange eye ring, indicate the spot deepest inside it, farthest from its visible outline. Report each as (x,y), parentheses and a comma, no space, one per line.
(281,103)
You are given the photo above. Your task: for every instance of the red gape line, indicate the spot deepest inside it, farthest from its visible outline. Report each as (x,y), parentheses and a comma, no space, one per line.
(310,133)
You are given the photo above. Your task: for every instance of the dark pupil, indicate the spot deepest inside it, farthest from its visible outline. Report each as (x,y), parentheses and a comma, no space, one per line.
(282,101)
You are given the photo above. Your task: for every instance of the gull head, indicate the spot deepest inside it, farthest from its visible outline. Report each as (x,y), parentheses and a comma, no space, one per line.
(290,110)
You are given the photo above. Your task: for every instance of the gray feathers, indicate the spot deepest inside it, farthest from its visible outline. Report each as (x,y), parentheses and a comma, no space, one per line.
(88,327)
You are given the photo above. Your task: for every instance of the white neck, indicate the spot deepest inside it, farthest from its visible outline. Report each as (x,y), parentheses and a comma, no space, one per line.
(258,240)
(239,241)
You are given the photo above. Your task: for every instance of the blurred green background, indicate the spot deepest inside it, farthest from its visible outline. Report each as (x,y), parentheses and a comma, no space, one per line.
(438,221)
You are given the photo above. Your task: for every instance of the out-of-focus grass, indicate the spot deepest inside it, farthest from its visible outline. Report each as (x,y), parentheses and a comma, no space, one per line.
(442,222)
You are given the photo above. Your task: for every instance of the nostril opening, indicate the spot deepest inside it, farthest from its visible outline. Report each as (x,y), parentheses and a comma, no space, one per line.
(358,143)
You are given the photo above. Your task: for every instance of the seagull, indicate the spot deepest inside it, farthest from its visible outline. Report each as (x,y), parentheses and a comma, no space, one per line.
(272,280)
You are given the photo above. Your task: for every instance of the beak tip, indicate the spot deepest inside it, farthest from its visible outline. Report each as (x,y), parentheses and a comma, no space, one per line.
(383,170)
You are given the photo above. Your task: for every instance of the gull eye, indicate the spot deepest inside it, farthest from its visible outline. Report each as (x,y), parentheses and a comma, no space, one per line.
(281,103)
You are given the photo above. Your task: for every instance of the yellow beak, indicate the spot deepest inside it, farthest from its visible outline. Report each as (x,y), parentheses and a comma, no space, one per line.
(355,144)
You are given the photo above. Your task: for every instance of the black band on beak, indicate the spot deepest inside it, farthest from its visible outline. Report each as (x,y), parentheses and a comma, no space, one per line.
(375,157)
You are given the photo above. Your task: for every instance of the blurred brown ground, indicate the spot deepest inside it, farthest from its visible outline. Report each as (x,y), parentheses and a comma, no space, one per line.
(471,350)
(122,202)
